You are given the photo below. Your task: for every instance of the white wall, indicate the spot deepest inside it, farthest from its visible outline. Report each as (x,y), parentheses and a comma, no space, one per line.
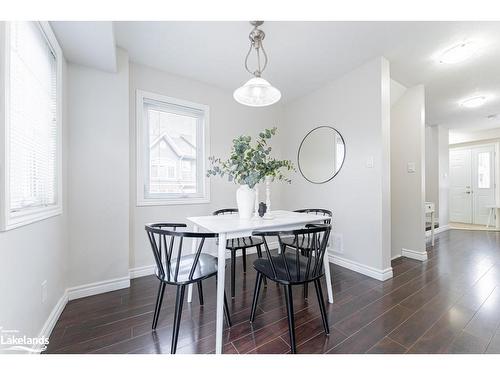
(98,180)
(432,165)
(32,254)
(228,120)
(444,171)
(397,91)
(408,189)
(436,171)
(358,106)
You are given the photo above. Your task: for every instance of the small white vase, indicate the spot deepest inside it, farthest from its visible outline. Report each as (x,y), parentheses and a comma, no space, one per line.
(245,198)
(268,214)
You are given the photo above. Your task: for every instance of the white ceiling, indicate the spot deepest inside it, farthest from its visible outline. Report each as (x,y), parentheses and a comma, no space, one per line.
(305,55)
(89,43)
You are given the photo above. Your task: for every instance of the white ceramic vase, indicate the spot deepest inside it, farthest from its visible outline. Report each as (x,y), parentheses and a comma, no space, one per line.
(245,199)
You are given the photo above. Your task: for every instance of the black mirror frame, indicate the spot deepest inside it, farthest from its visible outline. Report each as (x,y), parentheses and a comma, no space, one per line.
(300,147)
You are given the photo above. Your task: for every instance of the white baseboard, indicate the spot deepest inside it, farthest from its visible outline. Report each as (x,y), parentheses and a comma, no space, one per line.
(52,319)
(418,255)
(79,292)
(375,273)
(442,229)
(396,257)
(98,287)
(142,271)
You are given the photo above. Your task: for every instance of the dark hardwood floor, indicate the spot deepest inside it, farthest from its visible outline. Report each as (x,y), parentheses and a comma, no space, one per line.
(448,304)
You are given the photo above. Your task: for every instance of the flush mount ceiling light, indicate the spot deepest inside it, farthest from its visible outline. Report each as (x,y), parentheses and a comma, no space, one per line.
(459,52)
(257,92)
(474,102)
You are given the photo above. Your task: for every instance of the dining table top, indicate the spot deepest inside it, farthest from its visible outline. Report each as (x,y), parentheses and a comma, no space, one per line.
(233,223)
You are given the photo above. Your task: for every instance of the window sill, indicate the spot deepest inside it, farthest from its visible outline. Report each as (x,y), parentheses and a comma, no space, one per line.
(29,217)
(171,201)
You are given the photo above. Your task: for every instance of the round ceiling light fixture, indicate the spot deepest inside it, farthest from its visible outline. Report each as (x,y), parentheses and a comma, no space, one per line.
(257,92)
(474,102)
(459,52)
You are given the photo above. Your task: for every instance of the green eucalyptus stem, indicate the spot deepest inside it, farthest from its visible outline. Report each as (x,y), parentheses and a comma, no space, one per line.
(248,164)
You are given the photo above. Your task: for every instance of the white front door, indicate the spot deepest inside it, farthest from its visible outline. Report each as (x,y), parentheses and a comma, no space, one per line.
(483,182)
(472,184)
(460,185)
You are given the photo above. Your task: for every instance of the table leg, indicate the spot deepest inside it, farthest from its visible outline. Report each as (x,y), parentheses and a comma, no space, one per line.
(194,244)
(329,287)
(432,227)
(490,213)
(497,218)
(221,268)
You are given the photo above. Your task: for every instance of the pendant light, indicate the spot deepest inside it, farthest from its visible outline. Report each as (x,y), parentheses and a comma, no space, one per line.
(257,92)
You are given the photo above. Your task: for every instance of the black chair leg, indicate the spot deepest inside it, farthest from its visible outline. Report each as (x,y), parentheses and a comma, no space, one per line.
(259,254)
(291,318)
(200,293)
(179,299)
(256,291)
(159,300)
(306,290)
(244,255)
(322,307)
(233,273)
(226,311)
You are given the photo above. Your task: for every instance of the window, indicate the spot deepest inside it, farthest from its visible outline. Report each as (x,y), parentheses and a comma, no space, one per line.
(483,170)
(172,147)
(31,179)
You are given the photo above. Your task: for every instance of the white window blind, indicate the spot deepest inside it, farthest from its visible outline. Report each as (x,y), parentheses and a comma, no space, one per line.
(32,118)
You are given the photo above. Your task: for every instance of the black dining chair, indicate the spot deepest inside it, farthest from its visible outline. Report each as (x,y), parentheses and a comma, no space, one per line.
(291,267)
(304,241)
(235,244)
(174,268)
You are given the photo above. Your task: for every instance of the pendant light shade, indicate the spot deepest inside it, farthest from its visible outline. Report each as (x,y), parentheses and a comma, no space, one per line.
(257,92)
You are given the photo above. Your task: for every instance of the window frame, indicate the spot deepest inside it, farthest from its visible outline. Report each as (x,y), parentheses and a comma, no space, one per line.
(10,220)
(142,139)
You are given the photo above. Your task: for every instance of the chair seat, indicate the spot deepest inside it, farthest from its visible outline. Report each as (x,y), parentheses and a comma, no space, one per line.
(206,267)
(304,243)
(243,243)
(263,265)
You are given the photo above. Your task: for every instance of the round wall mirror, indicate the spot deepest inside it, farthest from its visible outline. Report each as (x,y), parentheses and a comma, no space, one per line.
(321,154)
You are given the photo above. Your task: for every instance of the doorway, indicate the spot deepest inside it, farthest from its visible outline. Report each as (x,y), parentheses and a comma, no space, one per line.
(472,183)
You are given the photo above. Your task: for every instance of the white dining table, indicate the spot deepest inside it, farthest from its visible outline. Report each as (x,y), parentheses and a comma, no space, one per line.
(231,226)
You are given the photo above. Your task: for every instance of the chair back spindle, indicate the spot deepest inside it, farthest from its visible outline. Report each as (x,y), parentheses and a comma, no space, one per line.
(169,259)
(316,211)
(298,267)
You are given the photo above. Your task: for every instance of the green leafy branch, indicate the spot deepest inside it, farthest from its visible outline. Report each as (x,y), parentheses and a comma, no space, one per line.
(249,164)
